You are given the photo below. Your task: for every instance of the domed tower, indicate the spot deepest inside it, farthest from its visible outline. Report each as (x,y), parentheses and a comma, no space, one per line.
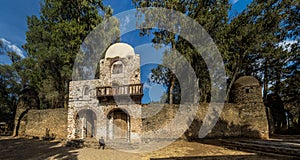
(246,89)
(247,96)
(120,76)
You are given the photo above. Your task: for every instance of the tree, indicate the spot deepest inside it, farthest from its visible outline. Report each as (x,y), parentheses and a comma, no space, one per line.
(1,46)
(253,38)
(212,15)
(257,47)
(165,76)
(53,40)
(9,91)
(249,42)
(291,84)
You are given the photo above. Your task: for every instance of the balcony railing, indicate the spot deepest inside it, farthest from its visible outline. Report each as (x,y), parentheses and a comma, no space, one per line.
(130,90)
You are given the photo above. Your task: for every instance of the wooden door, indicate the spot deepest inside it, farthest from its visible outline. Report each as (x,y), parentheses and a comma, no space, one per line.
(120,125)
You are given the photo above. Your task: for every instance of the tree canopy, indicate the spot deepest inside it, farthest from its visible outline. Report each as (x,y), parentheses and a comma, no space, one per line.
(261,41)
(53,40)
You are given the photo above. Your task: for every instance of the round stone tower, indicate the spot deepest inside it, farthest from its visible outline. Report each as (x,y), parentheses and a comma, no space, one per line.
(246,89)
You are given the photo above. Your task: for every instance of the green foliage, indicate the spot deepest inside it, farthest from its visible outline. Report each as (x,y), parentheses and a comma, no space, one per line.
(212,15)
(164,75)
(264,51)
(9,91)
(251,43)
(53,40)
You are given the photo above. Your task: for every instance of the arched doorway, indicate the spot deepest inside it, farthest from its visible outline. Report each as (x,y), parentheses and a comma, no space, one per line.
(118,126)
(86,121)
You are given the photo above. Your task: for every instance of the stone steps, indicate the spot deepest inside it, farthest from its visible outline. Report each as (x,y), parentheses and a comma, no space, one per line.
(123,145)
(91,143)
(81,143)
(76,143)
(293,145)
(273,148)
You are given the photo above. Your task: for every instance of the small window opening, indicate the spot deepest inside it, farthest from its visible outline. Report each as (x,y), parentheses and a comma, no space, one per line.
(117,68)
(247,90)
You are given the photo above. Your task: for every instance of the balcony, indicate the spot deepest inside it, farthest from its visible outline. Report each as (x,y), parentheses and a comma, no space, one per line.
(111,94)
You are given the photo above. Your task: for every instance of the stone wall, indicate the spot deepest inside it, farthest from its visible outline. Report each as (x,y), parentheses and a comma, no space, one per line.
(38,122)
(236,120)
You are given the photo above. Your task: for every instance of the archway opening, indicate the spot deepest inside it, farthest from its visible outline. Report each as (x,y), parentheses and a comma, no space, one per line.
(86,121)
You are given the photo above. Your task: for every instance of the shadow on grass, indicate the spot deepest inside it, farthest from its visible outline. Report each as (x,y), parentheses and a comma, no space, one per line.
(20,148)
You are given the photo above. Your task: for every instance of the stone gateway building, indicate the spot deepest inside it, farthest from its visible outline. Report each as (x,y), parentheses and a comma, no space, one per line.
(108,107)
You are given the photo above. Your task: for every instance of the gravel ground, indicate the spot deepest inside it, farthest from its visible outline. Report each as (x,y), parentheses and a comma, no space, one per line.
(19,148)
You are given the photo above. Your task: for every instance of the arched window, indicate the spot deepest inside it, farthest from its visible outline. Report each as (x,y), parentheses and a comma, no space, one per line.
(86,91)
(117,67)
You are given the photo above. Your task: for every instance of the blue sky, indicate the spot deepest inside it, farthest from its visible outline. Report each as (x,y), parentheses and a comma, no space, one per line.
(13,15)
(13,27)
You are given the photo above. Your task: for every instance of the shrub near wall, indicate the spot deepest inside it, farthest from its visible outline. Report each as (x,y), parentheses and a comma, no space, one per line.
(53,121)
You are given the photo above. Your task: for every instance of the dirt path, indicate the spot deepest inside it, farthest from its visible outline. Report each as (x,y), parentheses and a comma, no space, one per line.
(17,148)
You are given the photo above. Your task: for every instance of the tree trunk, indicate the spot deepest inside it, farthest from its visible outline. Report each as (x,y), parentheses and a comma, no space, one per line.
(196,94)
(298,116)
(66,102)
(231,82)
(171,89)
(277,82)
(265,92)
(172,78)
(266,81)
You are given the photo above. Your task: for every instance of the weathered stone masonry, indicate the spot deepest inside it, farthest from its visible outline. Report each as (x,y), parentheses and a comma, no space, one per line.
(39,123)
(244,117)
(108,107)
(236,120)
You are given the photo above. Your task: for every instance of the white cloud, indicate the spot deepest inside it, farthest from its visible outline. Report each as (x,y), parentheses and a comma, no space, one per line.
(125,22)
(286,45)
(9,47)
(233,1)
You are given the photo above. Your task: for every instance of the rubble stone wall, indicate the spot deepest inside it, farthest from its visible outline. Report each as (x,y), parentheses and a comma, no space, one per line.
(38,122)
(236,120)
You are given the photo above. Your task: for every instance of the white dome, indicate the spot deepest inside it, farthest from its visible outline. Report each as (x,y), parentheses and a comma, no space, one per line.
(119,50)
